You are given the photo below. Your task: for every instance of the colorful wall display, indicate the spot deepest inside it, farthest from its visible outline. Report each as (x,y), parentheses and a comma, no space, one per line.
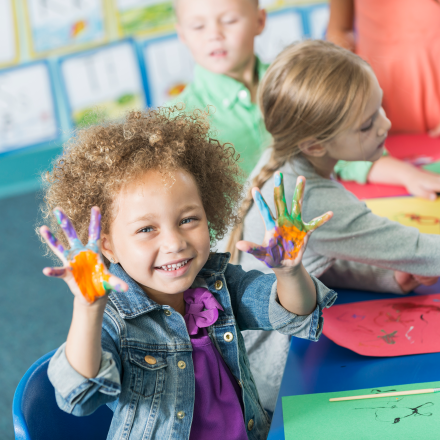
(282,29)
(169,67)
(64,24)
(83,79)
(104,82)
(144,16)
(8,33)
(27,109)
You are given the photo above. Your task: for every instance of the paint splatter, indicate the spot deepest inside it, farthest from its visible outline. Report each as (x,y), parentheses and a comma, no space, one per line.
(395,414)
(409,337)
(388,338)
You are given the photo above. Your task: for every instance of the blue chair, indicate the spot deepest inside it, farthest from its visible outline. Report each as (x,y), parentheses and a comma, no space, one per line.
(37,416)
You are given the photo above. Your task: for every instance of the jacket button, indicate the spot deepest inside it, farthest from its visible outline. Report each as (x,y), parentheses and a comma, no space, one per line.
(218,285)
(167,312)
(180,415)
(181,365)
(150,360)
(228,336)
(240,383)
(251,424)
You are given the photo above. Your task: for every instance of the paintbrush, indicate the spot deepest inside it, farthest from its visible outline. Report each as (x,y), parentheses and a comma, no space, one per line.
(396,393)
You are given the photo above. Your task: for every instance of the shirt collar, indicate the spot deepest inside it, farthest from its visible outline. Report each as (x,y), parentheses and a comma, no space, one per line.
(135,301)
(224,90)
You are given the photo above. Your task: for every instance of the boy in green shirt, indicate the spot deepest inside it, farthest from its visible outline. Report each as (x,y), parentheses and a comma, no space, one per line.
(220,35)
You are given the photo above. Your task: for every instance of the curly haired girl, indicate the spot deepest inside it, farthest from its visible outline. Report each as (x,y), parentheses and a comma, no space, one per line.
(156,330)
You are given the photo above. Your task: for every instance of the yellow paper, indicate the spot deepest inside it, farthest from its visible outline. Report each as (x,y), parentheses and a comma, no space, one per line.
(409,211)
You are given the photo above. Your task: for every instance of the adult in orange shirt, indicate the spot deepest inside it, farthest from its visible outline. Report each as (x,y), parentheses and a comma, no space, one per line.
(401,41)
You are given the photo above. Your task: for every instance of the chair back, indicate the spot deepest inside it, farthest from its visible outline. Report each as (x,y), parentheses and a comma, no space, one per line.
(37,416)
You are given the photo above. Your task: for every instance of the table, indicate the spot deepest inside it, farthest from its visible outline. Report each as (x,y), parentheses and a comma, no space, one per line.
(323,366)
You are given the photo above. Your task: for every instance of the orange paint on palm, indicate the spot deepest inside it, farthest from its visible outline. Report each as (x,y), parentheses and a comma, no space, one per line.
(89,274)
(293,235)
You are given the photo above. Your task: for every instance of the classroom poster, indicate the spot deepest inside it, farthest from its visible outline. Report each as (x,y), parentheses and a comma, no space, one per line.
(144,16)
(318,21)
(27,111)
(281,30)
(169,67)
(63,24)
(103,83)
(8,34)
(409,211)
(386,327)
(412,417)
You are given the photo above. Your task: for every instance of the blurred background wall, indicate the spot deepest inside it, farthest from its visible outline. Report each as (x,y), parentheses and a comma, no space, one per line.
(62,63)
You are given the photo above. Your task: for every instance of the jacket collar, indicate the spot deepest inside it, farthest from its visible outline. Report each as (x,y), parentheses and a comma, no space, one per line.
(135,301)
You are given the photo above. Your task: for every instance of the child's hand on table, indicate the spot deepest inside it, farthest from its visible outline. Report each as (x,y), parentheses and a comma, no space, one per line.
(409,282)
(83,269)
(284,244)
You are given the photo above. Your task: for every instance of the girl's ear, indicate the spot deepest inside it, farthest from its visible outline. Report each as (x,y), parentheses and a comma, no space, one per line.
(262,15)
(106,248)
(312,148)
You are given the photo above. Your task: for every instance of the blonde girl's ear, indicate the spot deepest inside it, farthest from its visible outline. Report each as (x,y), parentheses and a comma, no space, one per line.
(312,148)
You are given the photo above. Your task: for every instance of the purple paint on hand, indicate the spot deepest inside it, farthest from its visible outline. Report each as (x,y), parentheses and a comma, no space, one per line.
(95,225)
(56,272)
(65,224)
(53,240)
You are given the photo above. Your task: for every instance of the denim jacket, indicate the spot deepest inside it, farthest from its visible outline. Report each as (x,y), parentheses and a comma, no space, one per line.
(146,375)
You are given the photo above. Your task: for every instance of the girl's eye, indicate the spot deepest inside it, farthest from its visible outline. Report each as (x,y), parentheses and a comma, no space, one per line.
(229,20)
(147,229)
(369,127)
(197,27)
(187,220)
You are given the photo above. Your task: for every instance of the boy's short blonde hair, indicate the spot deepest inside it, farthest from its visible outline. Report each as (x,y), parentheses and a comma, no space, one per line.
(99,160)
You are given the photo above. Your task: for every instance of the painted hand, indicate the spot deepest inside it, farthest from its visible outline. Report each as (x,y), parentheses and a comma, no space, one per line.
(83,269)
(286,236)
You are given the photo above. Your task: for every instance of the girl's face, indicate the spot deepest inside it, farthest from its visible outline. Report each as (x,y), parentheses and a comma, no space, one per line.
(160,235)
(368,132)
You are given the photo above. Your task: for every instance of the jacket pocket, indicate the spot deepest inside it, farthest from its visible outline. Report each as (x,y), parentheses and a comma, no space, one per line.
(148,369)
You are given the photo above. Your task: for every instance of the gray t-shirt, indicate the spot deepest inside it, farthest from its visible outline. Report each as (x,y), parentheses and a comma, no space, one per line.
(355,249)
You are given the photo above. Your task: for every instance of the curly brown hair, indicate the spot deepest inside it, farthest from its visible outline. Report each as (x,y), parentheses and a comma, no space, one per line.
(99,160)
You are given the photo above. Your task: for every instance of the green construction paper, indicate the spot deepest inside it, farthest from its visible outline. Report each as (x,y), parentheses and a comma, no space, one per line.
(312,416)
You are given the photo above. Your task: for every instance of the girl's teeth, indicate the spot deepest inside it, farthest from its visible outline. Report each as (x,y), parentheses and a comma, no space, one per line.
(176,266)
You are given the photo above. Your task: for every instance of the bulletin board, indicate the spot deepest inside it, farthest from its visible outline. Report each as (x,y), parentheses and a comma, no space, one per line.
(143,17)
(56,25)
(169,68)
(28,116)
(9,51)
(67,63)
(102,83)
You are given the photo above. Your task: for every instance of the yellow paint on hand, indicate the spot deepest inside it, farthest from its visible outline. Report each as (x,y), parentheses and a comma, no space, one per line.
(89,274)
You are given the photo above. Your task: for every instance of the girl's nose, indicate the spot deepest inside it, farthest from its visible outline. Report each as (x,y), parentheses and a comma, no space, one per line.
(385,124)
(173,243)
(215,32)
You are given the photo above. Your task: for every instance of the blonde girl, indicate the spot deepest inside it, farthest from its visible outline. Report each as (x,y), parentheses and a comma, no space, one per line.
(321,104)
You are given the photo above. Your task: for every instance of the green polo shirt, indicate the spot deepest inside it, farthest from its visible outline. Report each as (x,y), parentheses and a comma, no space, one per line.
(236,119)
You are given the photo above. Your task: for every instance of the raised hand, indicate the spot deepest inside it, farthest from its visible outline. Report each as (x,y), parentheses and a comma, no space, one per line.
(83,269)
(286,236)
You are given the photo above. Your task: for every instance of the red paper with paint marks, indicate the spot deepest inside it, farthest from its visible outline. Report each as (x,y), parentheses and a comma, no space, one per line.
(387,327)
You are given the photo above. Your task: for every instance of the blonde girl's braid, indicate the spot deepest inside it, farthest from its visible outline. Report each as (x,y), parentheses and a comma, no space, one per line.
(312,91)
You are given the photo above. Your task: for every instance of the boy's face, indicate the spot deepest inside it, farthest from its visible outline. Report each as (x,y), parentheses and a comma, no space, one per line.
(160,234)
(220,33)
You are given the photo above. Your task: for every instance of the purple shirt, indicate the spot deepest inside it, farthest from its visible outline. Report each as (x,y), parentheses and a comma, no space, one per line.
(218,411)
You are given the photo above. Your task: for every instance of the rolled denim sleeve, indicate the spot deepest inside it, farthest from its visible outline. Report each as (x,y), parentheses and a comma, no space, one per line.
(256,305)
(308,326)
(78,395)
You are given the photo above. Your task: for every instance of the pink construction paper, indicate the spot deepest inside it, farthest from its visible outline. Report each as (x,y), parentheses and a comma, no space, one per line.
(387,327)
